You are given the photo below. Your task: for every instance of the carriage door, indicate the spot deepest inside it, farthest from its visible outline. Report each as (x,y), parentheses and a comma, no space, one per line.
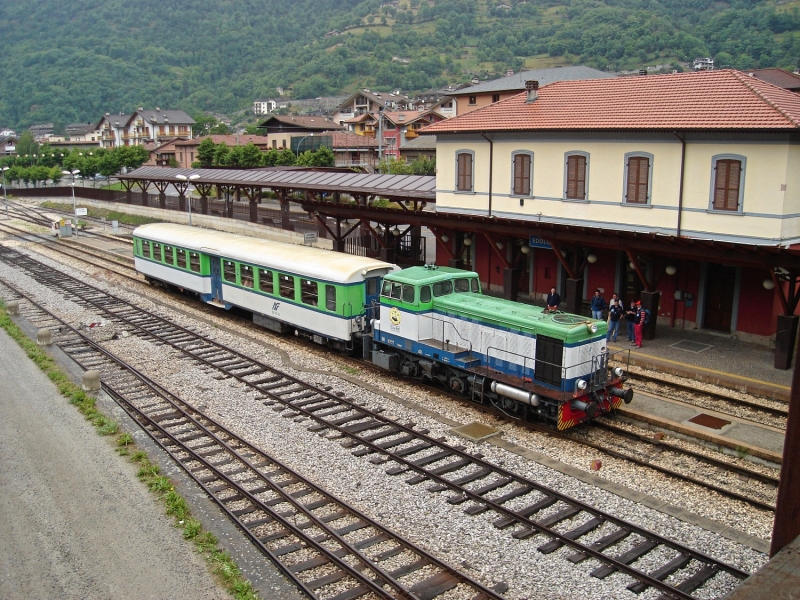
(372,290)
(216,277)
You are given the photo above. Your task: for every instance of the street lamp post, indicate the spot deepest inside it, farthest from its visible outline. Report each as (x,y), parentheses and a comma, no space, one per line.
(74,206)
(5,194)
(189,199)
(302,139)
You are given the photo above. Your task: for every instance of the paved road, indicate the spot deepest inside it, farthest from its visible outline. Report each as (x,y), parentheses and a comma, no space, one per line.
(74,520)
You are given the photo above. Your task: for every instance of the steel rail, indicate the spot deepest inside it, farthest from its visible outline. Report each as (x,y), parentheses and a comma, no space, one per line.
(409,464)
(184,410)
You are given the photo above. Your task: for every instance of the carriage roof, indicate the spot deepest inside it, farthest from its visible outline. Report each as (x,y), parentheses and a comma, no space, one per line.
(315,263)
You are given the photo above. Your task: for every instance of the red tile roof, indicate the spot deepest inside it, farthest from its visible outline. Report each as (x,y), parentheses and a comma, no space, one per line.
(785,79)
(721,100)
(342,139)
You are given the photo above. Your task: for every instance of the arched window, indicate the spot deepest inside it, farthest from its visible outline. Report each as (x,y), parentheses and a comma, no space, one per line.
(464,170)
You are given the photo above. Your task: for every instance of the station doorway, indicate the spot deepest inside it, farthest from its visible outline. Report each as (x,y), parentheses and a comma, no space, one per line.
(718,307)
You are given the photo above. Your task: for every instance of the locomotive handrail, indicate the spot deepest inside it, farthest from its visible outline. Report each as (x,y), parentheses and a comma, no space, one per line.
(443,322)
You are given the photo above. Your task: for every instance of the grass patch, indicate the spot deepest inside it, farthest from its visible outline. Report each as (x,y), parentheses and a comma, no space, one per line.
(98,213)
(220,562)
(351,370)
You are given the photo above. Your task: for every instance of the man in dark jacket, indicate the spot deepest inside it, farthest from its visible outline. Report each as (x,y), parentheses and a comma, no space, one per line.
(553,300)
(598,305)
(631,316)
(614,315)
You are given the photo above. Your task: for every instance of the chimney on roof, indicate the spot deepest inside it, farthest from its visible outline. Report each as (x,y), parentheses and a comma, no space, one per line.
(642,71)
(532,87)
(157,109)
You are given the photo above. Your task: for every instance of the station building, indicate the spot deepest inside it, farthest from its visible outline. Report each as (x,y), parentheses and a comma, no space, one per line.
(681,190)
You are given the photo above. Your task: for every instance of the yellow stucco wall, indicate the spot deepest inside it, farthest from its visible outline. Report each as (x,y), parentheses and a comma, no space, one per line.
(768,167)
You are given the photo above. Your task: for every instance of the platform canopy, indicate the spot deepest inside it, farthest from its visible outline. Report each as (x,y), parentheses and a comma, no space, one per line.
(405,187)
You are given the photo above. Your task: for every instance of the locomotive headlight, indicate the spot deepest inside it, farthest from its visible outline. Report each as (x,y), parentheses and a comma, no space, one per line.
(581,384)
(592,328)
(619,371)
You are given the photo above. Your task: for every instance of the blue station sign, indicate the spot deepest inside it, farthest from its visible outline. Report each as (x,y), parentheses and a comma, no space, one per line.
(537,242)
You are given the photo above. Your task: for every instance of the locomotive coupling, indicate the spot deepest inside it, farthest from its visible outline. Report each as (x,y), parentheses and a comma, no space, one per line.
(626,395)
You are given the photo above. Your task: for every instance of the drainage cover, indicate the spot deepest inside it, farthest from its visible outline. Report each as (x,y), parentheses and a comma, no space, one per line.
(475,431)
(691,346)
(709,421)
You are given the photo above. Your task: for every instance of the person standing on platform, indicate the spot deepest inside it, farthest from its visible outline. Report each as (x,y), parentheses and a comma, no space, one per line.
(614,315)
(638,326)
(630,318)
(553,300)
(598,305)
(614,299)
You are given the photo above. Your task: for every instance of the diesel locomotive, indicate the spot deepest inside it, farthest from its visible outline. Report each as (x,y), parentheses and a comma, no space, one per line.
(430,323)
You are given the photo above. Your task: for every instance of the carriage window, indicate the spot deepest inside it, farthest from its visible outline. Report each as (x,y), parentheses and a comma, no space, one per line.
(247,276)
(425,293)
(157,252)
(461,285)
(286,286)
(308,292)
(265,283)
(442,288)
(169,255)
(147,250)
(194,262)
(372,286)
(181,255)
(330,297)
(387,289)
(408,293)
(396,290)
(229,271)
(476,288)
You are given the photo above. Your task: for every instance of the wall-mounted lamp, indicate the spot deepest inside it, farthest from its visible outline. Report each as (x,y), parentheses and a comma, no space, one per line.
(768,284)
(467,241)
(670,270)
(499,245)
(445,238)
(525,249)
(591,259)
(631,265)
(396,231)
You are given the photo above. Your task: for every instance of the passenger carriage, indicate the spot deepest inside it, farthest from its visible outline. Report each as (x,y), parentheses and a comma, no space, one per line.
(315,292)
(435,324)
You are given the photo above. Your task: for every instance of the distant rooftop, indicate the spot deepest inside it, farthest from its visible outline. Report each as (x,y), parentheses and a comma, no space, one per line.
(785,79)
(543,76)
(423,142)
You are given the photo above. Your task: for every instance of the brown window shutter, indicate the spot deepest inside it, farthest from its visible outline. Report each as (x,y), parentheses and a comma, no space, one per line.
(638,180)
(464,183)
(726,185)
(572,168)
(576,177)
(522,174)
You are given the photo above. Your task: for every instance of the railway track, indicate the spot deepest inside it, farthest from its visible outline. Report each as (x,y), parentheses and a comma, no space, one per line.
(605,448)
(410,452)
(37,215)
(328,548)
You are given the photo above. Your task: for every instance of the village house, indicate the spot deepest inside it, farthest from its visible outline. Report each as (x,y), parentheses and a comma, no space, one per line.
(281,128)
(144,127)
(366,101)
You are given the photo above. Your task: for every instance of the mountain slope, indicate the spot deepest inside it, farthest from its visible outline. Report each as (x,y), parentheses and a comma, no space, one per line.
(72,61)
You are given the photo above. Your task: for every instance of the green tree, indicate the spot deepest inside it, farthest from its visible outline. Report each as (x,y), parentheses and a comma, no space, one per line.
(223,157)
(423,165)
(322,157)
(56,175)
(205,153)
(251,156)
(393,166)
(27,146)
(132,157)
(109,164)
(252,130)
(285,158)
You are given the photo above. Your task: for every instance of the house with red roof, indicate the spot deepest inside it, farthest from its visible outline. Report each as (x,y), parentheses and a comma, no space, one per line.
(697,171)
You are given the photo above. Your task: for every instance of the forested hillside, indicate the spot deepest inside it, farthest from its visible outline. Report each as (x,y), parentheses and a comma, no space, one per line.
(71,61)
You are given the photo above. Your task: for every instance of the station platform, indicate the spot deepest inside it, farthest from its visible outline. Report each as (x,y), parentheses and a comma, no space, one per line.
(739,436)
(713,358)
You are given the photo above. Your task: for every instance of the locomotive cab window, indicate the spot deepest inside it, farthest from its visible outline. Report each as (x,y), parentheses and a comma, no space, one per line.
(157,252)
(408,294)
(247,276)
(229,271)
(442,288)
(330,297)
(425,293)
(147,249)
(387,289)
(265,283)
(169,255)
(476,287)
(461,285)
(308,292)
(194,262)
(286,286)
(397,290)
(181,258)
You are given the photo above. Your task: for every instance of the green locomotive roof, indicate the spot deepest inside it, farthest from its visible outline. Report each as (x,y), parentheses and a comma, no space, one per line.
(427,275)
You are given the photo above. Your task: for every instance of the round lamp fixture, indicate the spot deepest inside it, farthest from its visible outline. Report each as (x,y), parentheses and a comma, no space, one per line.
(768,284)
(467,241)
(670,270)
(525,249)
(591,259)
(499,245)
(445,238)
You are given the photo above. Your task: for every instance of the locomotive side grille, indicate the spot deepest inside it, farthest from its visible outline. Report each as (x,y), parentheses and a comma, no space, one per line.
(549,359)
